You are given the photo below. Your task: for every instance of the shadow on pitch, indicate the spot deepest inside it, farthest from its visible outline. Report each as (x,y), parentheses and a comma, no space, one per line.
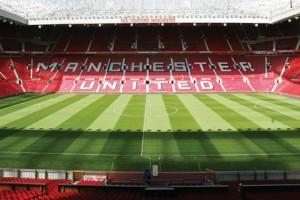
(123,149)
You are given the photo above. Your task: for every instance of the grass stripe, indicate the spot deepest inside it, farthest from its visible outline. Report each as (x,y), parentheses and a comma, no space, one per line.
(125,143)
(244,116)
(276,116)
(237,142)
(154,155)
(291,139)
(18,114)
(167,163)
(233,142)
(243,142)
(283,110)
(20,106)
(44,112)
(17,139)
(157,117)
(238,162)
(84,142)
(109,118)
(182,120)
(132,118)
(229,111)
(14,100)
(105,142)
(271,142)
(288,103)
(291,100)
(95,150)
(88,142)
(55,161)
(156,143)
(205,116)
(63,114)
(84,118)
(183,143)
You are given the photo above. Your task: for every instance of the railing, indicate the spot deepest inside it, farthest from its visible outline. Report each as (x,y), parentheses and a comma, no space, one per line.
(219,176)
(137,53)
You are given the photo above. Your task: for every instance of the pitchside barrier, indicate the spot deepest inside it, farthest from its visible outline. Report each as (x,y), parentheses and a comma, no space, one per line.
(138,176)
(36,174)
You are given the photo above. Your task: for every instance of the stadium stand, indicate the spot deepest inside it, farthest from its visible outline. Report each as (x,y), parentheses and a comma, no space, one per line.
(171,74)
(256,50)
(229,60)
(165,187)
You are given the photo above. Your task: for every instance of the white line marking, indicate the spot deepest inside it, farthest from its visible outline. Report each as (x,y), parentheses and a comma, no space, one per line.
(142,146)
(144,126)
(150,155)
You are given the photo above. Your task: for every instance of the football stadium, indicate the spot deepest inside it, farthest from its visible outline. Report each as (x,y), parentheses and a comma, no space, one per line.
(149,99)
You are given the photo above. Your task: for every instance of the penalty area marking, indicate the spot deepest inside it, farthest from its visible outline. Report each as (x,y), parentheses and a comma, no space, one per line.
(150,155)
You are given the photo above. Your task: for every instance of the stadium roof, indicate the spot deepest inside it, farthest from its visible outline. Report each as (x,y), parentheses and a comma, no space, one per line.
(43,12)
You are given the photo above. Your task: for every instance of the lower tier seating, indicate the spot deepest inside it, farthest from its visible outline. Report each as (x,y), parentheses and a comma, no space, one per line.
(90,190)
(19,195)
(182,74)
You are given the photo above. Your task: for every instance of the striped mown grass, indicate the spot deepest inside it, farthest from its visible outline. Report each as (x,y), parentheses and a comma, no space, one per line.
(130,132)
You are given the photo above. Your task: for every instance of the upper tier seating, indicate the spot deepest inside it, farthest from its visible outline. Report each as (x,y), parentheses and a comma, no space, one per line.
(151,38)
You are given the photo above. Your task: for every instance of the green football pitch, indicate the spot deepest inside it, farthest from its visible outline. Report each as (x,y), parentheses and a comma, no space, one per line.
(182,132)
